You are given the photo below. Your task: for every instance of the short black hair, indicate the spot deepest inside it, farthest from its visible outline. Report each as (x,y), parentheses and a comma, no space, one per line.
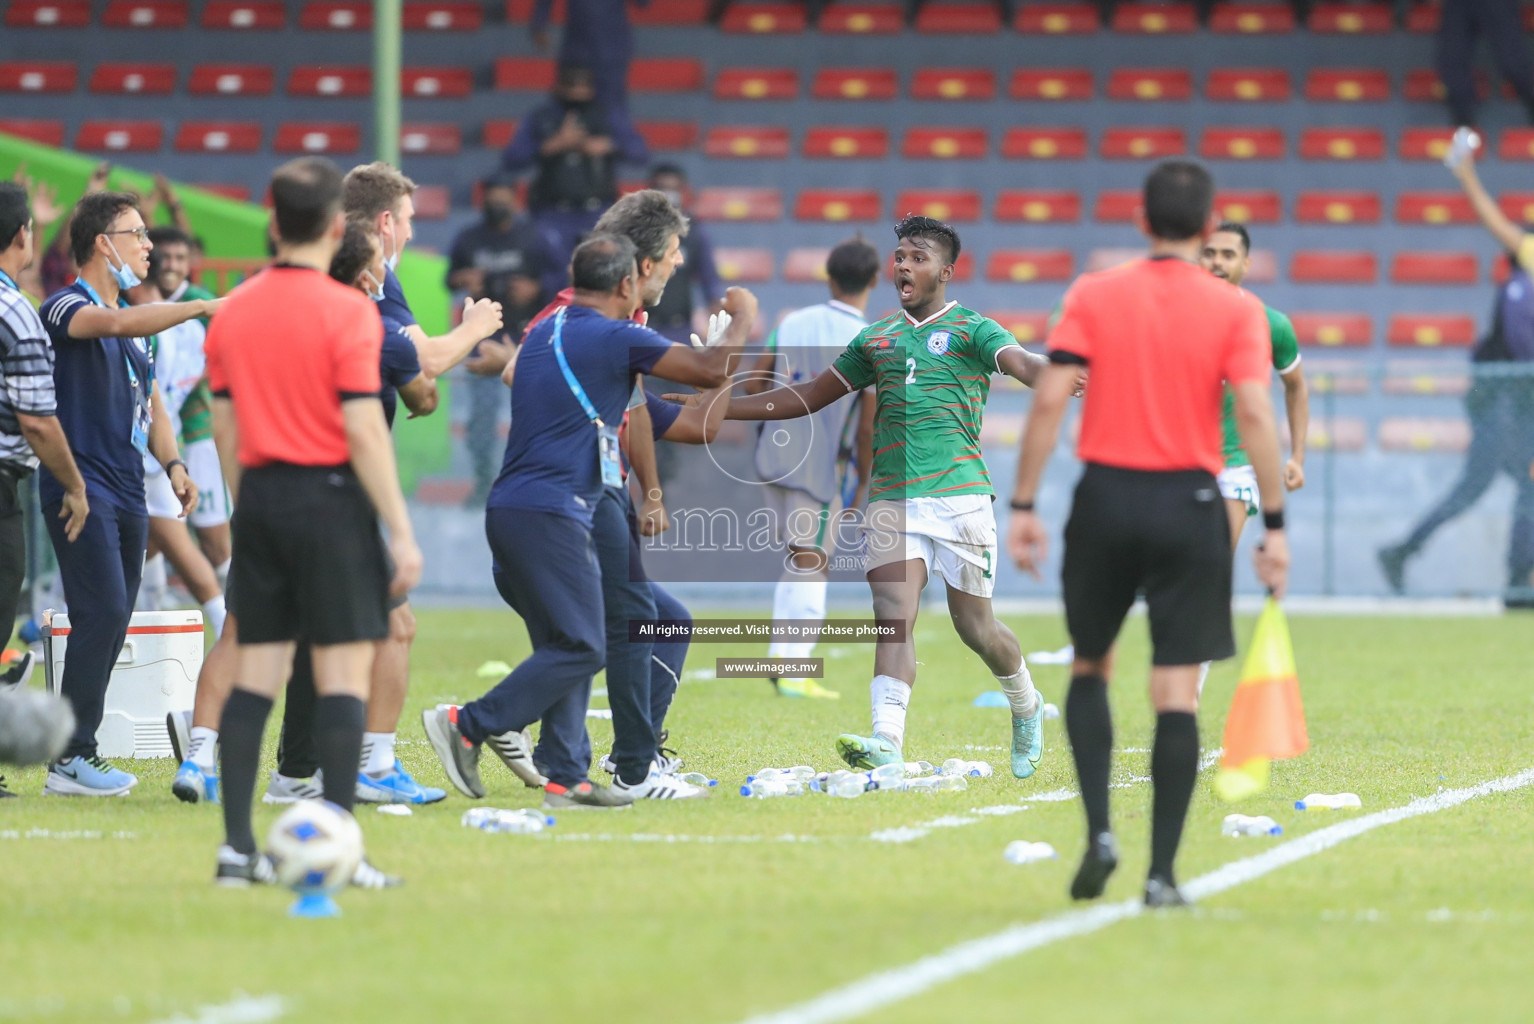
(357,252)
(1238,229)
(167,234)
(914,226)
(306,196)
(853,265)
(15,212)
(1179,194)
(675,170)
(93,215)
(602,262)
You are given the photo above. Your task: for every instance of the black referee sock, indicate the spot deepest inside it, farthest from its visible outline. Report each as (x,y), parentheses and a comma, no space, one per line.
(239,739)
(338,722)
(1174,770)
(296,757)
(1089,724)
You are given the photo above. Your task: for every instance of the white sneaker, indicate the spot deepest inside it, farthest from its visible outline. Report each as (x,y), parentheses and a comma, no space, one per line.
(515,749)
(283,790)
(657,786)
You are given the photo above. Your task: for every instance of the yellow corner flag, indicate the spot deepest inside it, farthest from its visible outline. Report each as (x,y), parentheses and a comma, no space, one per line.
(1266,721)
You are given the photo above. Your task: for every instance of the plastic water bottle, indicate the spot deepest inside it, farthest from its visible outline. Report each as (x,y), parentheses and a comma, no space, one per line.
(1466,141)
(1246,825)
(778,785)
(803,773)
(888,776)
(847,784)
(974,769)
(916,769)
(698,779)
(1021,851)
(521,823)
(939,784)
(1328,802)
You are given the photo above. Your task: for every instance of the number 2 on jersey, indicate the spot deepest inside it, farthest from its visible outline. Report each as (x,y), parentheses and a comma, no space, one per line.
(910,371)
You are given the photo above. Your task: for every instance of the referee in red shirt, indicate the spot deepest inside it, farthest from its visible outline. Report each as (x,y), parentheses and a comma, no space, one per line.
(1159,340)
(294,368)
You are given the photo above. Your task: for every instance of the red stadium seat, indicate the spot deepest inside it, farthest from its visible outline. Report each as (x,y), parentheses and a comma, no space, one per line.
(805,266)
(1251,19)
(497,134)
(764,18)
(1351,19)
(846,143)
(953,84)
(1051,84)
(1434,268)
(1423,18)
(1024,265)
(744,266)
(1325,207)
(525,74)
(227,189)
(862,19)
(1423,434)
(1424,86)
(335,16)
(1248,85)
(1154,19)
(520,12)
(670,12)
(133,79)
(443,16)
(335,138)
(668,135)
(757,84)
(958,18)
(1431,330)
(1339,433)
(1044,144)
(232,80)
(838,204)
(1057,19)
(1027,326)
(1242,144)
(1518,206)
(959,205)
(436,83)
(1352,330)
(432,202)
(1249,207)
(746,143)
(855,84)
(245,15)
(331,80)
(1116,206)
(1347,85)
(739,204)
(38,76)
(663,74)
(424,139)
(1425,143)
(1516,144)
(1434,208)
(48,14)
(218,137)
(47,133)
(1142,143)
(120,136)
(945,144)
(1342,144)
(145,14)
(1038,206)
(1425,377)
(1150,84)
(1320,266)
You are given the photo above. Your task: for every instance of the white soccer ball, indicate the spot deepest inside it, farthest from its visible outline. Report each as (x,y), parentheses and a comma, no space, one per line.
(316,846)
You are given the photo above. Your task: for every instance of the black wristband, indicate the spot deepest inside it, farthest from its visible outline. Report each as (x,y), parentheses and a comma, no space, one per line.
(1273,520)
(1021,506)
(172,464)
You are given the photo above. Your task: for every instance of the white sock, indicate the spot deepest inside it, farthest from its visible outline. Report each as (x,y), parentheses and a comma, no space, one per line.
(1203,674)
(377,752)
(152,586)
(890,698)
(213,612)
(221,570)
(1020,692)
(204,743)
(797,598)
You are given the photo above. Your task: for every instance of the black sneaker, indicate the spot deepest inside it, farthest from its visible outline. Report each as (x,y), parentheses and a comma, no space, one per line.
(1097,864)
(1393,565)
(557,797)
(20,671)
(667,759)
(3,791)
(459,755)
(1161,891)
(242,870)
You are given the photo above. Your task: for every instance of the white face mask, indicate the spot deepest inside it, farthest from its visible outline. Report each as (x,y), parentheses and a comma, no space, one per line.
(124,275)
(391,261)
(375,295)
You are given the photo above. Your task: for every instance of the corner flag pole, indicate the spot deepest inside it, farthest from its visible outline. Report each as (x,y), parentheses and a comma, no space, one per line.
(387,16)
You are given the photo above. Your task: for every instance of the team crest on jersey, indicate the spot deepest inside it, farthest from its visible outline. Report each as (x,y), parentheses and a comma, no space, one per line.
(937,342)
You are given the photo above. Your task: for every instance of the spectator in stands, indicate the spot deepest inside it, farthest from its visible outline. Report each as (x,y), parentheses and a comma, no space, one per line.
(502,258)
(574,145)
(56,266)
(43,200)
(672,315)
(1500,23)
(597,35)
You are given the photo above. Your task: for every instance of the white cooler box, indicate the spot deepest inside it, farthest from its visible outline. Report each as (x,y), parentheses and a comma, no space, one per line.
(155,674)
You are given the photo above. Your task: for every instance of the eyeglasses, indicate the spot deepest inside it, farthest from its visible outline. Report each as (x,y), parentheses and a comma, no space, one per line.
(139,233)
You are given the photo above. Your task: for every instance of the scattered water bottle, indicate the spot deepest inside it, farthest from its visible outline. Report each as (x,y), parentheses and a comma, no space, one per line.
(1051,712)
(1466,141)
(1328,802)
(916,769)
(974,769)
(777,785)
(939,784)
(803,773)
(888,776)
(1247,825)
(1021,851)
(847,784)
(698,779)
(521,823)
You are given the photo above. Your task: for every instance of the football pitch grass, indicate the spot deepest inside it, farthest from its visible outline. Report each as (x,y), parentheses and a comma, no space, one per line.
(716,911)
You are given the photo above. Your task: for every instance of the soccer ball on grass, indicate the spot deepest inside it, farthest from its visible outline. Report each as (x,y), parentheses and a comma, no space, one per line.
(316,847)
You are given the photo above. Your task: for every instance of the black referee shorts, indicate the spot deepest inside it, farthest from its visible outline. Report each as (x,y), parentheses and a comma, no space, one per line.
(1165,535)
(309,562)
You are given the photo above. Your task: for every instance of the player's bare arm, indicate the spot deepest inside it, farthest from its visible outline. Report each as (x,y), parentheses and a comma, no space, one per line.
(710,367)
(372,458)
(1027,541)
(137,321)
(1254,419)
(162,445)
(791,402)
(481,319)
(1297,408)
(226,438)
(420,396)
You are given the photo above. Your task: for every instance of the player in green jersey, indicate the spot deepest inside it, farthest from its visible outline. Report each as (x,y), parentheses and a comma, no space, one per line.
(929,502)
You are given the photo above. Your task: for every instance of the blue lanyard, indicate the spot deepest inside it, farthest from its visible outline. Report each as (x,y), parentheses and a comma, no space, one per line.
(564,367)
(139,397)
(7,279)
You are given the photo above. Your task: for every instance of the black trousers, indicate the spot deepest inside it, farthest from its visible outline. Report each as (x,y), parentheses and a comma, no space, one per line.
(1500,23)
(13,550)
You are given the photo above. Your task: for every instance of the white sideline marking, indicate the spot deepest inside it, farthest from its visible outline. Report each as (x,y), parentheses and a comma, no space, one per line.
(650,837)
(240,1010)
(896,984)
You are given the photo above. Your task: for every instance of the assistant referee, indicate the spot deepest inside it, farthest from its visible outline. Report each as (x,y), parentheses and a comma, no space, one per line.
(1160,338)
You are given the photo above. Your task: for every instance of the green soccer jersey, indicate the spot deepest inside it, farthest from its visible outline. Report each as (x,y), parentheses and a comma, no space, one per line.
(1286,353)
(197,410)
(932,380)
